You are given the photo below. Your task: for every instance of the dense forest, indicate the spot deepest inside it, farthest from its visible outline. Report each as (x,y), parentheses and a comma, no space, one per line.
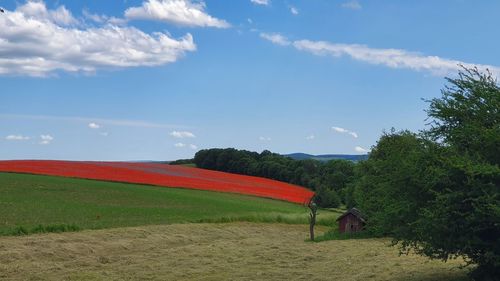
(332,180)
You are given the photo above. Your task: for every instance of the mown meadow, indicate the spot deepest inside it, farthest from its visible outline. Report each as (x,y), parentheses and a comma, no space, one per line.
(120,231)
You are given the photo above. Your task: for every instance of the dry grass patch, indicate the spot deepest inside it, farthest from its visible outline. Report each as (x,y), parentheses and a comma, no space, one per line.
(232,251)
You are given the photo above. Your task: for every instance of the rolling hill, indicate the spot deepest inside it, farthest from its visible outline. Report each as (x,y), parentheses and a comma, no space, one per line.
(37,203)
(163,175)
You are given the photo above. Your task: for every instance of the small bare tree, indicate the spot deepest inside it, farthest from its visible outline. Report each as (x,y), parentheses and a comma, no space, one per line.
(312,217)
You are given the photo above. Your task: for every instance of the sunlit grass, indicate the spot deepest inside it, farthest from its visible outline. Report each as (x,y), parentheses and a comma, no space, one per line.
(28,202)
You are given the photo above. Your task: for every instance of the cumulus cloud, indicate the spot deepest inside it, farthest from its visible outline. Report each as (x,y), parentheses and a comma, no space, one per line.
(353,5)
(103,19)
(310,137)
(339,130)
(276,38)
(38,10)
(93,125)
(180,144)
(345,131)
(35,41)
(353,134)
(294,10)
(46,139)
(180,12)
(261,2)
(182,134)
(392,58)
(95,17)
(361,150)
(264,138)
(183,145)
(17,138)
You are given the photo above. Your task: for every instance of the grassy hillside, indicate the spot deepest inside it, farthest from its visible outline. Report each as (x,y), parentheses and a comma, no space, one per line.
(29,201)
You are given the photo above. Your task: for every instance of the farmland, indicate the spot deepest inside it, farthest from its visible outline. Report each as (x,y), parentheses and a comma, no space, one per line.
(235,251)
(163,175)
(32,200)
(143,232)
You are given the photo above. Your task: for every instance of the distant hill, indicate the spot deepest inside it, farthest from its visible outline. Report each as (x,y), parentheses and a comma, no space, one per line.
(327,157)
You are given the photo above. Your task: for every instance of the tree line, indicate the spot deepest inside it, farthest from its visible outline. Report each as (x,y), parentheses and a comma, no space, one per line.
(331,181)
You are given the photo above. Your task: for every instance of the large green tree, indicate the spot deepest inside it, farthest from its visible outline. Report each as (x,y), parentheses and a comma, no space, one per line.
(438,192)
(463,219)
(395,182)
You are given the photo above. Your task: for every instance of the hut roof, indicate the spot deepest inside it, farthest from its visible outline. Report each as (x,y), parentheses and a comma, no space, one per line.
(354,212)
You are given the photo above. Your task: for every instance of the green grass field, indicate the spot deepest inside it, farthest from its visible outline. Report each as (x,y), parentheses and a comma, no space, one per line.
(62,204)
(181,251)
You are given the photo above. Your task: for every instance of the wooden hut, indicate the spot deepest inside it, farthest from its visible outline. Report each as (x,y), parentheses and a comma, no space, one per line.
(351,221)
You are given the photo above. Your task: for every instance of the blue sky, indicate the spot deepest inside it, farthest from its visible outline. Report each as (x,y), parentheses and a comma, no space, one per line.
(161,79)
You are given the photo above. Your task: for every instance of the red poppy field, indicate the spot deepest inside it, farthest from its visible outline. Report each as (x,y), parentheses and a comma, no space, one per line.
(162,175)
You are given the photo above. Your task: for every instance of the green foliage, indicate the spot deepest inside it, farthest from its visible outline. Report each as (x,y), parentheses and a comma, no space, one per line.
(467,122)
(467,116)
(39,204)
(396,181)
(326,219)
(185,162)
(57,228)
(329,179)
(20,230)
(438,192)
(334,234)
(326,198)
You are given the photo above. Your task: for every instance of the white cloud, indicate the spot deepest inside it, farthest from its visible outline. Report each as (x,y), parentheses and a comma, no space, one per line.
(182,145)
(38,10)
(249,20)
(310,137)
(261,2)
(104,134)
(17,138)
(35,41)
(264,138)
(345,131)
(294,10)
(353,134)
(180,12)
(46,139)
(93,125)
(340,130)
(353,5)
(361,150)
(276,38)
(95,17)
(182,134)
(393,58)
(179,144)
